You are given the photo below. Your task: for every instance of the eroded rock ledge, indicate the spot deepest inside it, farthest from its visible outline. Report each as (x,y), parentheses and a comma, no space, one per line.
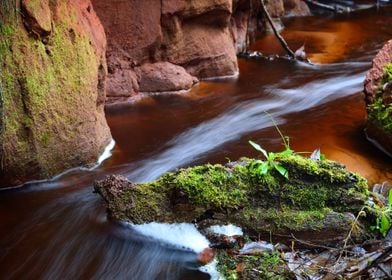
(201,37)
(312,204)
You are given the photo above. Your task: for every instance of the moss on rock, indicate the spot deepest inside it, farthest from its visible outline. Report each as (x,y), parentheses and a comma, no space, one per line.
(310,200)
(51,118)
(380,111)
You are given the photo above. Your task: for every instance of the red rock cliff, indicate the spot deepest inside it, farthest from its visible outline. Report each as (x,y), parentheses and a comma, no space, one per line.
(201,36)
(52,85)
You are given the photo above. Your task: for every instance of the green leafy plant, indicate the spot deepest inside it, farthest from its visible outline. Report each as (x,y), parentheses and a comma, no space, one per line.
(271,162)
(384,216)
(272,159)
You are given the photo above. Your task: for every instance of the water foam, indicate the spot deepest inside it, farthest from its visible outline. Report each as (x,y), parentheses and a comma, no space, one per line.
(184,236)
(107,153)
(228,230)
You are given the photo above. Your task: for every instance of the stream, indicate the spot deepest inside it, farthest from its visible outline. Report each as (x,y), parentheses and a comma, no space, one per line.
(59,229)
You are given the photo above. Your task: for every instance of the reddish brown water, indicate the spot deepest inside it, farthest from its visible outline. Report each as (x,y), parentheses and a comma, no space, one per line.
(59,230)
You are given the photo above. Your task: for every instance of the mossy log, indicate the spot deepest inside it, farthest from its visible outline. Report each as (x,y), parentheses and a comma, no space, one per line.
(313,203)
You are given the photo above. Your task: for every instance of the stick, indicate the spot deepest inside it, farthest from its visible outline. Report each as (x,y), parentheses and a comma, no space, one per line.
(380,266)
(320,5)
(368,263)
(278,36)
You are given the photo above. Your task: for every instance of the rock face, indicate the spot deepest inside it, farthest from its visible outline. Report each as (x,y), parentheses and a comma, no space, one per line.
(53,75)
(296,8)
(378,96)
(203,37)
(310,204)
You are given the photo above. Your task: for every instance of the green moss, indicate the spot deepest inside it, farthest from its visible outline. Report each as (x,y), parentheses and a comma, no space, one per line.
(387,73)
(289,220)
(149,206)
(265,266)
(45,138)
(42,87)
(212,186)
(379,113)
(261,203)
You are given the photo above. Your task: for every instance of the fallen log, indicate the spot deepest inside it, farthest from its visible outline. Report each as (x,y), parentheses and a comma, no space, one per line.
(312,204)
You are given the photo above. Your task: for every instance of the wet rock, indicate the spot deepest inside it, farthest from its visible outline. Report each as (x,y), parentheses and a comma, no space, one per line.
(296,8)
(54,93)
(164,77)
(221,241)
(192,34)
(387,93)
(257,248)
(201,36)
(377,135)
(383,189)
(311,205)
(37,17)
(206,256)
(275,8)
(378,96)
(374,77)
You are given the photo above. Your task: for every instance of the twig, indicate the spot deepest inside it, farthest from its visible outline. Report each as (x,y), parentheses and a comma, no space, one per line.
(370,262)
(381,266)
(354,223)
(313,245)
(280,38)
(321,5)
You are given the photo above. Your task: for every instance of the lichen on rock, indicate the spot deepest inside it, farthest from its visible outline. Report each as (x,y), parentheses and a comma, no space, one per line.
(312,201)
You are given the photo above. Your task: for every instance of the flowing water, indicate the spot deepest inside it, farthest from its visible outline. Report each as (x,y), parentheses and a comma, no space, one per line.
(59,229)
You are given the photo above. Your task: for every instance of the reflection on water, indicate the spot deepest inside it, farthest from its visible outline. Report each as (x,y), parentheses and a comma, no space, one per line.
(59,229)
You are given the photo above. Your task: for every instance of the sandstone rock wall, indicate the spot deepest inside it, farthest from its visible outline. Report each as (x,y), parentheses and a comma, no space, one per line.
(53,68)
(52,83)
(202,36)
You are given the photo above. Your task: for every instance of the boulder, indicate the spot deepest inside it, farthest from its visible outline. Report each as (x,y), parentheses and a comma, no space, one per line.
(312,204)
(378,97)
(164,77)
(296,8)
(375,75)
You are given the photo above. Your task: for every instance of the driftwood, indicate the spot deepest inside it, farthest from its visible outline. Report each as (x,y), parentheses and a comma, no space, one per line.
(337,8)
(321,5)
(278,36)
